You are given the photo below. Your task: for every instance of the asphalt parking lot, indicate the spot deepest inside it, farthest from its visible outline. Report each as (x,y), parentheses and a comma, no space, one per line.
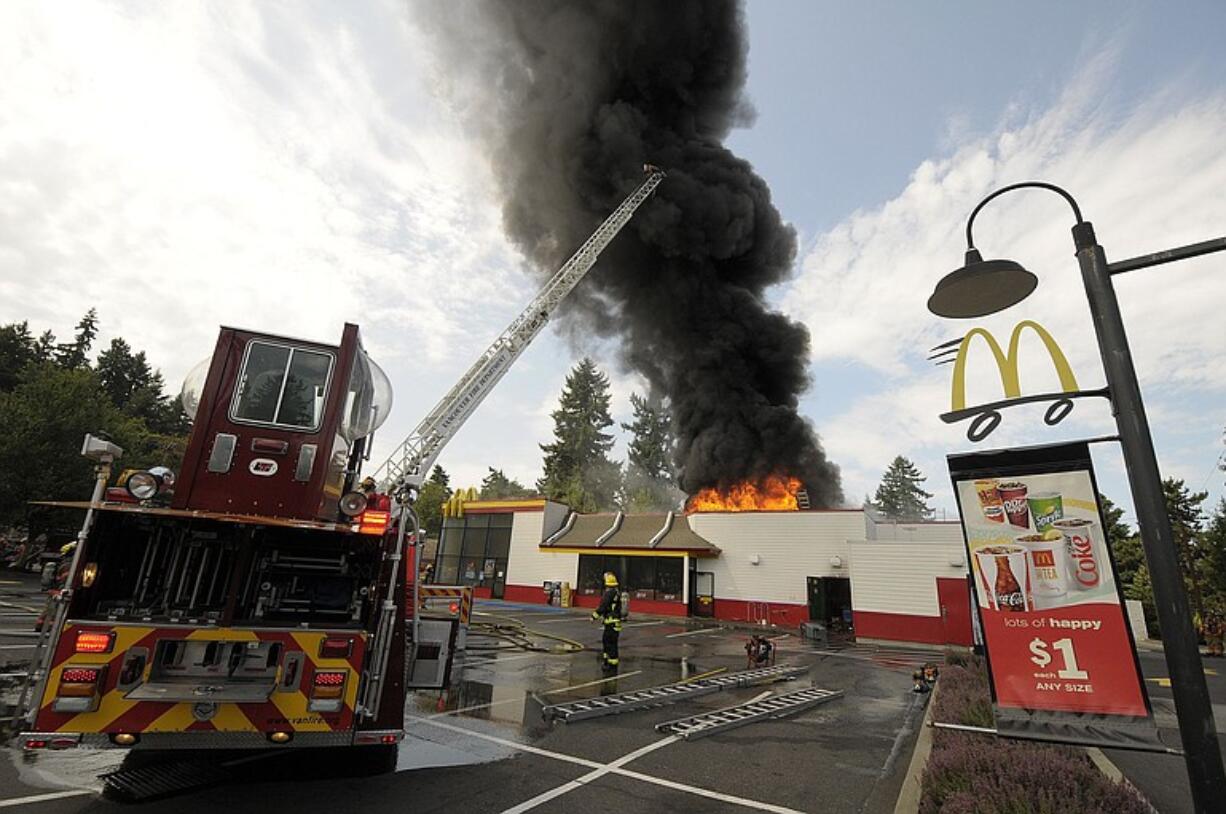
(483,745)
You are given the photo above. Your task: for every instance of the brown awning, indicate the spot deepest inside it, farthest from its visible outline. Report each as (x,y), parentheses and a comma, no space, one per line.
(669,534)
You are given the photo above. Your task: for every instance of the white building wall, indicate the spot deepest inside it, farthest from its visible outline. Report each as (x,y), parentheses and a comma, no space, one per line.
(526,563)
(900,577)
(939,532)
(789,546)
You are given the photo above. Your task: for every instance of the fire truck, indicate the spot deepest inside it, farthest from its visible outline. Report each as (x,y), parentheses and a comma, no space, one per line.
(262,596)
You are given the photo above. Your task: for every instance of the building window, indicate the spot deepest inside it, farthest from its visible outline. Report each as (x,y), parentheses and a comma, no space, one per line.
(669,579)
(641,579)
(474,550)
(656,578)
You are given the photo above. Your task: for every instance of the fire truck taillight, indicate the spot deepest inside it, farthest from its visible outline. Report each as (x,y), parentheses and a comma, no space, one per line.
(327,691)
(374,522)
(335,648)
(78,689)
(94,641)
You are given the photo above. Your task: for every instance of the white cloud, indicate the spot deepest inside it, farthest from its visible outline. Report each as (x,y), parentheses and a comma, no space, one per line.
(1150,178)
(183,166)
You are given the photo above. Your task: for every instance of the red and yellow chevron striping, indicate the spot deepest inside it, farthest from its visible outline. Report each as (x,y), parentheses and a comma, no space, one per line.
(286,707)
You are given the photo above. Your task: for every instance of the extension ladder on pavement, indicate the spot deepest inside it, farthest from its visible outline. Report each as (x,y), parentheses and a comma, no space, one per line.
(26,708)
(668,694)
(778,706)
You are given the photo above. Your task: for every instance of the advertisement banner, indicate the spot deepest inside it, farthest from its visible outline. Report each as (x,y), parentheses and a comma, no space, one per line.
(1061,657)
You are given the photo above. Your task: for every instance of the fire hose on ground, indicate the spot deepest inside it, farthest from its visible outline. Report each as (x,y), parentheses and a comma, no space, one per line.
(515,635)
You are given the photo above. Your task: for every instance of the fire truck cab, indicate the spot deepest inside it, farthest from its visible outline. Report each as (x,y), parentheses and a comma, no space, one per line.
(261,605)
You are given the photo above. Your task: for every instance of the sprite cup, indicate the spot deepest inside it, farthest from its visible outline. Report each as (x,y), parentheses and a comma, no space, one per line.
(1045,508)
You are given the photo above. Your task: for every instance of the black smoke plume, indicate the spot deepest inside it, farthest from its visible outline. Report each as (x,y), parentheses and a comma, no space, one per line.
(570,98)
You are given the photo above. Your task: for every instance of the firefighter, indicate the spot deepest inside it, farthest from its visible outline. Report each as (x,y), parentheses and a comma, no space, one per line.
(610,613)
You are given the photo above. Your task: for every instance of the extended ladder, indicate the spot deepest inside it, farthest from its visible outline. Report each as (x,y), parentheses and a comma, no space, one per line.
(408,464)
(777,706)
(668,694)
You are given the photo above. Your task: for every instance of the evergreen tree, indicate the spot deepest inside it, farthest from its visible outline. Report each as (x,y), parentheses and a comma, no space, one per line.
(1125,544)
(44,348)
(497,486)
(1214,538)
(900,496)
(429,505)
(649,484)
(50,397)
(1187,523)
(17,351)
(577,469)
(44,419)
(75,354)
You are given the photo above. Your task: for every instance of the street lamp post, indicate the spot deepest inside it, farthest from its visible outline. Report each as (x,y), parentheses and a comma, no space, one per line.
(983,287)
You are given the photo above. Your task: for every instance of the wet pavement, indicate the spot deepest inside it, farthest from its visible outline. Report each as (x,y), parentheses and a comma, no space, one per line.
(483,745)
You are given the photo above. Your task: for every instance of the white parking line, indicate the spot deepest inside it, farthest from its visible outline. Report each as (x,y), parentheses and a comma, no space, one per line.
(545,797)
(522,747)
(462,710)
(41,798)
(646,778)
(19,607)
(692,632)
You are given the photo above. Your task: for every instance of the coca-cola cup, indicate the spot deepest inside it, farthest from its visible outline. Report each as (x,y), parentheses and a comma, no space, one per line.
(1005,577)
(1013,494)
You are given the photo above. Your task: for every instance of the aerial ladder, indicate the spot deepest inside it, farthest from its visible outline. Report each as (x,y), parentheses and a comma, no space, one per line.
(403,473)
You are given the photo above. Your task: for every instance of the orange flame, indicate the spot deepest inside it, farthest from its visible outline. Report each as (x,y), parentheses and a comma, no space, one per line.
(776,493)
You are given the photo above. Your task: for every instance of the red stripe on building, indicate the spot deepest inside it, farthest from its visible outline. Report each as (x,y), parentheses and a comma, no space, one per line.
(899,627)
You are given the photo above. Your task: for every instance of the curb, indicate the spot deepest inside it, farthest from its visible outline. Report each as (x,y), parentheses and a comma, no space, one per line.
(1112,772)
(912,787)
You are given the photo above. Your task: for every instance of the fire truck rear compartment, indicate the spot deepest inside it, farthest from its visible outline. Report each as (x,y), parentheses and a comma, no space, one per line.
(219,671)
(204,572)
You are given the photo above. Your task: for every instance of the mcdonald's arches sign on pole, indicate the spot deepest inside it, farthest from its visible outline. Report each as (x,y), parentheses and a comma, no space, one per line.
(986,417)
(1061,657)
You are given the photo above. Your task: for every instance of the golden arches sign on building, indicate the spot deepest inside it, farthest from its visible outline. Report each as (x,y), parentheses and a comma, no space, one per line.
(986,417)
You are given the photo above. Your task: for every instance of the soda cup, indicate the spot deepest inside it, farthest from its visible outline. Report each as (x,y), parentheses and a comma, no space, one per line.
(1045,509)
(989,499)
(1005,577)
(1080,537)
(1016,508)
(1049,563)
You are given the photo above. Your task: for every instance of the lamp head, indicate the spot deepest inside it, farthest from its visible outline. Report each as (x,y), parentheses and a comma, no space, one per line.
(981,287)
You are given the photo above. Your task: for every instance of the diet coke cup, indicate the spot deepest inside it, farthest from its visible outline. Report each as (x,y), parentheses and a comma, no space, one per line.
(1082,538)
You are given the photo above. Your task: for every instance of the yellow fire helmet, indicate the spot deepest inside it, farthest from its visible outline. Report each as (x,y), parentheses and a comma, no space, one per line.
(610,579)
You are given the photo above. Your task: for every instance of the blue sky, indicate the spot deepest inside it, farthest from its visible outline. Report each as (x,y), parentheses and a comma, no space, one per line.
(290,166)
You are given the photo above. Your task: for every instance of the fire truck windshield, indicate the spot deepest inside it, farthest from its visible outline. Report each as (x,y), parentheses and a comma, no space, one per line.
(282,386)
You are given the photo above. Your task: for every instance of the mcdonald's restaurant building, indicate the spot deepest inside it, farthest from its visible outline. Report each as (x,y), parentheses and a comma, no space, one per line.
(898,582)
